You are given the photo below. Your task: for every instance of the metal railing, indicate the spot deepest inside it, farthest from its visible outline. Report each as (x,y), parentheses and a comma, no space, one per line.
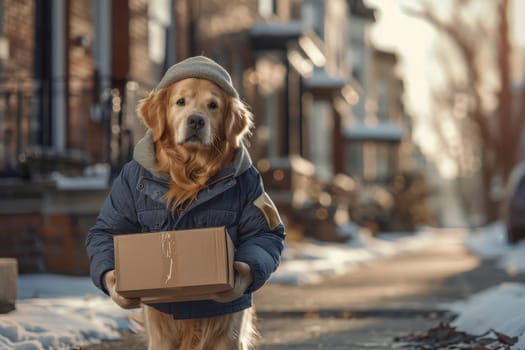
(15,124)
(100,127)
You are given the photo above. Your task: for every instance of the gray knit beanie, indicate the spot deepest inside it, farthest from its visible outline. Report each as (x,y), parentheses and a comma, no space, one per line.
(199,67)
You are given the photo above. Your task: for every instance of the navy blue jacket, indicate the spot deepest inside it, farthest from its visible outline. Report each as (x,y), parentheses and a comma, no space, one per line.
(137,203)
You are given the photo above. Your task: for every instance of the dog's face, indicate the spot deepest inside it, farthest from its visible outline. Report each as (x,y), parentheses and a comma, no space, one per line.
(196,112)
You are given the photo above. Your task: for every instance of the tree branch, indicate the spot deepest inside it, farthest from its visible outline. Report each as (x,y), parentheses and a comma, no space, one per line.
(466,47)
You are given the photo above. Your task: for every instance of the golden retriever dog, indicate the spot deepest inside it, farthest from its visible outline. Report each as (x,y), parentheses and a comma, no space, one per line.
(193,170)
(197,128)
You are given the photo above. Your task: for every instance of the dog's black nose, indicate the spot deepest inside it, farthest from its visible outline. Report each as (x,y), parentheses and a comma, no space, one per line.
(196,122)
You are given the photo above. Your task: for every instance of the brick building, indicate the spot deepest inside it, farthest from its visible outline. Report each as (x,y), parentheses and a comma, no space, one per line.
(74,71)
(69,83)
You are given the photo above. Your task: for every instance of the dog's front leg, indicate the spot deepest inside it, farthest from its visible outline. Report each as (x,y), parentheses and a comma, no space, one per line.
(161,330)
(243,334)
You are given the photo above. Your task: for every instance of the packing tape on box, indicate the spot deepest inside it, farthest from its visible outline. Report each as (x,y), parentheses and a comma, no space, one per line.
(168,246)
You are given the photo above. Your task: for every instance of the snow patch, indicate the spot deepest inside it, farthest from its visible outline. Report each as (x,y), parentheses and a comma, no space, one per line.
(498,308)
(60,312)
(490,243)
(312,261)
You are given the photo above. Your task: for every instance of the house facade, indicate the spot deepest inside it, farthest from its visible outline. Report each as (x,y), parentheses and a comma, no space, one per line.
(72,73)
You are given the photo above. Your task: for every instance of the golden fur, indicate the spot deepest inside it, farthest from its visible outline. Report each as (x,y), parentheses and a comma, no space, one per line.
(227,332)
(191,155)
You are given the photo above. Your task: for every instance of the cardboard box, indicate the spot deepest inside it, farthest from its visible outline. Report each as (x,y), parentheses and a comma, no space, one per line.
(8,284)
(174,265)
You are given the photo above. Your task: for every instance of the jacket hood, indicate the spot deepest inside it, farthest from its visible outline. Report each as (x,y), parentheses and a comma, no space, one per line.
(144,154)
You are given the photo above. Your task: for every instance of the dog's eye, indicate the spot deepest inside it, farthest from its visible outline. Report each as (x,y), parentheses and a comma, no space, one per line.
(181,102)
(213,105)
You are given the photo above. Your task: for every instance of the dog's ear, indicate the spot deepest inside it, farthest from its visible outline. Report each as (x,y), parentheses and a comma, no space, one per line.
(152,109)
(239,122)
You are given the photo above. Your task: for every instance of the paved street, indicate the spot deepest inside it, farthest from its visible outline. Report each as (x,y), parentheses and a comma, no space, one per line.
(367,307)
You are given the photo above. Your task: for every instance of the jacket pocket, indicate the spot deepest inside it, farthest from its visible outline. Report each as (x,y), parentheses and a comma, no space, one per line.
(152,220)
(214,218)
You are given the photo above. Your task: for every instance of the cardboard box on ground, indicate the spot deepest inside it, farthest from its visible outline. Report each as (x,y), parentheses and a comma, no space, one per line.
(174,265)
(8,286)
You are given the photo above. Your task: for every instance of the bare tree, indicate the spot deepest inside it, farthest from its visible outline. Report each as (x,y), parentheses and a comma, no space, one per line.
(497,125)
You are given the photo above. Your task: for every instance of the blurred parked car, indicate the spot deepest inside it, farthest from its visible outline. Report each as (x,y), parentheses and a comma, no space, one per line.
(514,204)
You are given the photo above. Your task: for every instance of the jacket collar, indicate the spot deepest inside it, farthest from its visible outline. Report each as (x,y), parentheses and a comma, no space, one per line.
(144,154)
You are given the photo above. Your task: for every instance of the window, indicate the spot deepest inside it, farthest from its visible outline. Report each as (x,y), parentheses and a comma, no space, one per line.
(383,101)
(267,8)
(321,135)
(271,136)
(383,162)
(354,159)
(313,16)
(159,30)
(4,42)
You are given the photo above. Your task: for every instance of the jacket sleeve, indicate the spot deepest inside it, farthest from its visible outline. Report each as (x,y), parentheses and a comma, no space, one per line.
(261,233)
(117,216)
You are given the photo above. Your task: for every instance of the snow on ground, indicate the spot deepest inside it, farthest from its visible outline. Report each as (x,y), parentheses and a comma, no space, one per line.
(61,323)
(499,308)
(490,243)
(310,262)
(58,312)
